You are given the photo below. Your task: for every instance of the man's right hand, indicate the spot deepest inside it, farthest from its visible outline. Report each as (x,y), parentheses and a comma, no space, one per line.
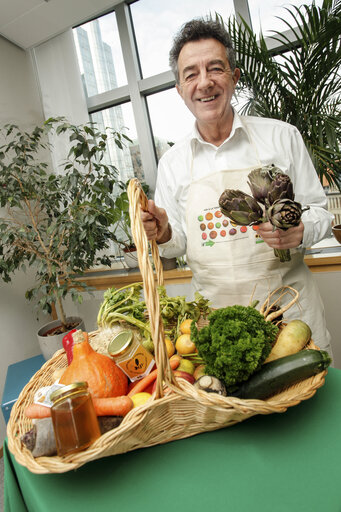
(155,223)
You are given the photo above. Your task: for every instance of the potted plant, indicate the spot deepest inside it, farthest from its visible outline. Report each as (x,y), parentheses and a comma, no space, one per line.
(301,85)
(56,222)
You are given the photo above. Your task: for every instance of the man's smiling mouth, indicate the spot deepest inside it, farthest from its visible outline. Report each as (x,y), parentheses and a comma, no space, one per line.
(210,98)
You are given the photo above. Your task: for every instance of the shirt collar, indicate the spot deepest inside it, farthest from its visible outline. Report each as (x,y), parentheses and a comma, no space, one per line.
(195,136)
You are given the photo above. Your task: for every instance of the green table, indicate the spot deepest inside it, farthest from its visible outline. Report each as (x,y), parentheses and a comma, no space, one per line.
(278,463)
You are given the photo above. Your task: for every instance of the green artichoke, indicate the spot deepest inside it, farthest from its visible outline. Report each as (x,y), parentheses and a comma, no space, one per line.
(284,213)
(260,181)
(280,188)
(240,207)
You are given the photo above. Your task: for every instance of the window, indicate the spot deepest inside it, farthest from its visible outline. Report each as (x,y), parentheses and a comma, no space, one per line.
(170,118)
(133,40)
(157,21)
(128,159)
(100,55)
(265,15)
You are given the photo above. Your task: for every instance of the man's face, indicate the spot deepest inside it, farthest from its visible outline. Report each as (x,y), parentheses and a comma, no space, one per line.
(206,83)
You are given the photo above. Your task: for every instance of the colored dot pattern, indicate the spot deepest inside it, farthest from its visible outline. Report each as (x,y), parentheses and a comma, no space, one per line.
(213,228)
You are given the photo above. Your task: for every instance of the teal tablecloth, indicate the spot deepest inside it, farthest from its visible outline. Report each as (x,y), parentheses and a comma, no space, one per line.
(287,462)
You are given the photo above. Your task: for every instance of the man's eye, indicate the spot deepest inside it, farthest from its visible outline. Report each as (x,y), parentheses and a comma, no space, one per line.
(190,77)
(216,70)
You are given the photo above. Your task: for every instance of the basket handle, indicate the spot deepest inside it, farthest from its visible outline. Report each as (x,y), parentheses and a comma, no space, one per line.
(137,200)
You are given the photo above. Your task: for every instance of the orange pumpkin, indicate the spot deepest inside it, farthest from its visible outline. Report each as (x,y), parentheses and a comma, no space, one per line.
(104,377)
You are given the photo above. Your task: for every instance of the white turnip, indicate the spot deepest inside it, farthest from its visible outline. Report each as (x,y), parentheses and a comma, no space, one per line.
(291,339)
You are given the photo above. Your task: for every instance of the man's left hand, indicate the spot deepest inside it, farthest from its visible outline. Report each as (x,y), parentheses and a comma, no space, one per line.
(280,239)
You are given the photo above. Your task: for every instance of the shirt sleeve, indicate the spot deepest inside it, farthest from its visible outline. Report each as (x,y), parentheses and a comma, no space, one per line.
(165,197)
(309,192)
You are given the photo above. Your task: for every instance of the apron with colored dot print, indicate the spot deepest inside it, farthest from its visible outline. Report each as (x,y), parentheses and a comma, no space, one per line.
(231,264)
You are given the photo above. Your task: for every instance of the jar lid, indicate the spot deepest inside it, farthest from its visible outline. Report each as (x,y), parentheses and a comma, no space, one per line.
(120,342)
(66,390)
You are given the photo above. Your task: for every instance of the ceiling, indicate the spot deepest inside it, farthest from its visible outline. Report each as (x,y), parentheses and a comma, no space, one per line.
(28,23)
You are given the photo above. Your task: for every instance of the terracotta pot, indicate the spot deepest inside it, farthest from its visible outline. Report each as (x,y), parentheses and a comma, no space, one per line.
(337,232)
(50,344)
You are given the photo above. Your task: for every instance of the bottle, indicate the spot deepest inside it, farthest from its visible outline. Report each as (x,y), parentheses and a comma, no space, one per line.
(74,420)
(133,359)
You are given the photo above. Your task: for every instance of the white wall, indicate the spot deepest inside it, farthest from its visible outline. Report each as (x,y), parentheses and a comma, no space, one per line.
(19,103)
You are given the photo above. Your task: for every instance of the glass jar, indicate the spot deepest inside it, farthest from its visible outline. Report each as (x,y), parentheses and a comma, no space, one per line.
(128,353)
(74,420)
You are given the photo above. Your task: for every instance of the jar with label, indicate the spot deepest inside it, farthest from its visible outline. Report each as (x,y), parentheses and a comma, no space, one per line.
(128,353)
(74,420)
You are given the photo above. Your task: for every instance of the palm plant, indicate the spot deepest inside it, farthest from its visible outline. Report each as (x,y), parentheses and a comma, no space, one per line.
(301,85)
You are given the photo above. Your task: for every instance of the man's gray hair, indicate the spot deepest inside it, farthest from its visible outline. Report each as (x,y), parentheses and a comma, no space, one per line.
(196,29)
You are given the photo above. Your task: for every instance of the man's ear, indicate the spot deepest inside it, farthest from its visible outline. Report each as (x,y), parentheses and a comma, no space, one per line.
(236,75)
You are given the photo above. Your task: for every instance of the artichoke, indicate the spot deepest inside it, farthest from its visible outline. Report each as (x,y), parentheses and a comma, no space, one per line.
(273,189)
(240,207)
(280,188)
(260,181)
(284,213)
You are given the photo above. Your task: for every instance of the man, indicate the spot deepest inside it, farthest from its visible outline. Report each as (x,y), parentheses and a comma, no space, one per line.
(231,264)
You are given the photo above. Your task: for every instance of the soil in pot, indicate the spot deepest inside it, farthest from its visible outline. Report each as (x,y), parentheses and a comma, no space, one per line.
(59,329)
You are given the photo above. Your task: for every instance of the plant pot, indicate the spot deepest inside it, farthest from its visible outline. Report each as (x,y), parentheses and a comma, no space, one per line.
(168,263)
(130,258)
(337,232)
(50,344)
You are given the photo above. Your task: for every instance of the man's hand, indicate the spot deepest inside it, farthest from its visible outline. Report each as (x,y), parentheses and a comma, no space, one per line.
(280,239)
(155,223)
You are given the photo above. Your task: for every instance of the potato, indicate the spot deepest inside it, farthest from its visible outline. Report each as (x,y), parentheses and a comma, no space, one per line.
(291,339)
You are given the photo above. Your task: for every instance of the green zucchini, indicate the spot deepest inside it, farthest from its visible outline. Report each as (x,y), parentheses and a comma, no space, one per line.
(282,373)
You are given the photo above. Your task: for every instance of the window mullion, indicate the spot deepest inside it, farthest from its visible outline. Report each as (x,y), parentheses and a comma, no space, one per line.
(242,10)
(138,101)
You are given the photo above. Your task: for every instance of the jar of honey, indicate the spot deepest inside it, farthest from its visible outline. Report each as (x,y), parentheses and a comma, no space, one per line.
(74,420)
(128,353)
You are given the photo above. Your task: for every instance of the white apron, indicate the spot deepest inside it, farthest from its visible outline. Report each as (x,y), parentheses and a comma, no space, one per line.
(232,265)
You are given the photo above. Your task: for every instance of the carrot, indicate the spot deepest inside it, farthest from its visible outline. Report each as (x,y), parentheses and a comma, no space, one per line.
(37,411)
(111,406)
(131,385)
(151,377)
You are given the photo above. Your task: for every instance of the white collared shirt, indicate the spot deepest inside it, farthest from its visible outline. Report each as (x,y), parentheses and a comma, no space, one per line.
(273,142)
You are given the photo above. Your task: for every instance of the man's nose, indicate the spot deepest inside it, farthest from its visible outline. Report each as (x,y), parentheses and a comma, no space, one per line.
(204,79)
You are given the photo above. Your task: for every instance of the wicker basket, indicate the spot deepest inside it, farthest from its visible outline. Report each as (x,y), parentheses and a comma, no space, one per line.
(183,413)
